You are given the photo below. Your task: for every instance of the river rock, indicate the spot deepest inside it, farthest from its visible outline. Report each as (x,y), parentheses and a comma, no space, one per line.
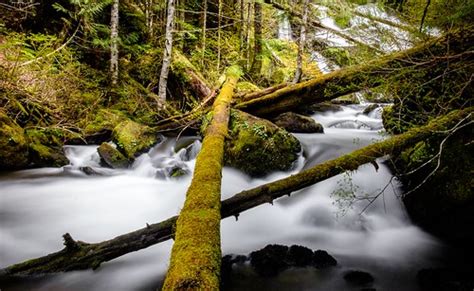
(358,277)
(258,147)
(321,259)
(293,122)
(270,260)
(319,107)
(111,157)
(370,108)
(133,138)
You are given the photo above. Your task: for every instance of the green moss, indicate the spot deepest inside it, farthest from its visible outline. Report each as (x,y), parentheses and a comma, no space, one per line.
(111,157)
(13,145)
(106,119)
(133,138)
(258,147)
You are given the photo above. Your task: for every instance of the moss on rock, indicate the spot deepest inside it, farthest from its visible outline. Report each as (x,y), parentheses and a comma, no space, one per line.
(133,138)
(106,119)
(13,145)
(111,157)
(258,147)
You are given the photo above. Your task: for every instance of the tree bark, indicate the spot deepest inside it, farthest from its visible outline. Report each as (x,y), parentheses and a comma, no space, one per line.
(196,255)
(85,256)
(167,52)
(301,44)
(257,50)
(451,47)
(114,51)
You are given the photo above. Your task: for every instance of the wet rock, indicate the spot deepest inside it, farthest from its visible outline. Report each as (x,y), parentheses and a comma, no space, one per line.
(258,147)
(90,171)
(177,171)
(133,138)
(45,148)
(270,260)
(370,108)
(321,259)
(358,277)
(105,121)
(111,157)
(318,108)
(300,256)
(293,122)
(347,99)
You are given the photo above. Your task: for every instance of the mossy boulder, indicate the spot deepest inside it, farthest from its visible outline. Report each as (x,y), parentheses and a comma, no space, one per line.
(111,157)
(257,147)
(133,138)
(13,145)
(293,122)
(105,120)
(46,148)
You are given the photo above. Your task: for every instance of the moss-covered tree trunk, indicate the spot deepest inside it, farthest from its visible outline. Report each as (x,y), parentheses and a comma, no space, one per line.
(451,47)
(196,255)
(80,255)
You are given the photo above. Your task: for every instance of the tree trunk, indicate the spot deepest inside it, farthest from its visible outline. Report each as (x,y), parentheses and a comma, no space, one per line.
(79,255)
(196,255)
(219,21)
(167,52)
(114,51)
(301,44)
(204,26)
(257,51)
(451,47)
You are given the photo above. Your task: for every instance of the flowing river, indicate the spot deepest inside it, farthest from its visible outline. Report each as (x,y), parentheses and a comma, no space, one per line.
(38,206)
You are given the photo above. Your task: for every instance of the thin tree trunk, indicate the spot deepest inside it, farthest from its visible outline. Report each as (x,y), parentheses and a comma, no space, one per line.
(301,44)
(196,255)
(257,51)
(204,28)
(167,52)
(219,21)
(247,35)
(79,255)
(114,51)
(242,26)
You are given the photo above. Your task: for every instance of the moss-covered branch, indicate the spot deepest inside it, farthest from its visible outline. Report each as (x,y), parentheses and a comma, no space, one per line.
(84,256)
(196,255)
(355,78)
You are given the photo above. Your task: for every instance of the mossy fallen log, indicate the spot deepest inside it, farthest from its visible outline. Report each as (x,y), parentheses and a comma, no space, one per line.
(86,256)
(451,47)
(196,254)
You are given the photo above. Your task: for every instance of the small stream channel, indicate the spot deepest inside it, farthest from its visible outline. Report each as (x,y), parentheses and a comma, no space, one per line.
(38,206)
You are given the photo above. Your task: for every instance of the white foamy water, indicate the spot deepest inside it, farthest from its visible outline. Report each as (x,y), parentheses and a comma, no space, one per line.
(38,206)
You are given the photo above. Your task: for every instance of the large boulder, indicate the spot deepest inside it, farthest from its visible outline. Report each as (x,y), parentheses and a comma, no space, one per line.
(111,157)
(257,147)
(133,138)
(45,148)
(293,122)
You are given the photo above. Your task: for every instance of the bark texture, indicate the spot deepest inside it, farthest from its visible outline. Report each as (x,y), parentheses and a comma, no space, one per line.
(196,255)
(79,255)
(114,51)
(167,51)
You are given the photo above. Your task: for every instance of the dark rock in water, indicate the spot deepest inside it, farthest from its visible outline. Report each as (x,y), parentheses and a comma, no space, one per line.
(346,99)
(270,260)
(300,256)
(321,259)
(293,122)
(320,107)
(133,138)
(258,147)
(443,279)
(177,171)
(370,108)
(111,157)
(90,171)
(358,277)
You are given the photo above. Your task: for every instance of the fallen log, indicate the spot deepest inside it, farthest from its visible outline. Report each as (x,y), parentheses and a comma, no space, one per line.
(196,255)
(79,255)
(451,47)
